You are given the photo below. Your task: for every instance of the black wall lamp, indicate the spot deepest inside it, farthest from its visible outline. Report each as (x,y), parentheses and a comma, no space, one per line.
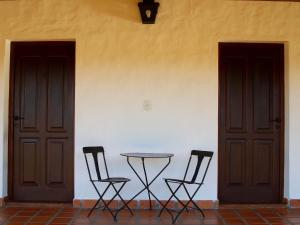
(148,10)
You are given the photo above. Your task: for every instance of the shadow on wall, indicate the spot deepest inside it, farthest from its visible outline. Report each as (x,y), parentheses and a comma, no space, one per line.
(123,9)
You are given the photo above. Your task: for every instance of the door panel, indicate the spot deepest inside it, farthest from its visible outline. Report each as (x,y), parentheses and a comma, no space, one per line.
(29,161)
(262,95)
(42,121)
(236,150)
(250,123)
(56,161)
(235,95)
(262,165)
(29,82)
(57,108)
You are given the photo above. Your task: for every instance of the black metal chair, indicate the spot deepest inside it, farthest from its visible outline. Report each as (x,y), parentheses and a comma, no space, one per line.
(200,156)
(95,151)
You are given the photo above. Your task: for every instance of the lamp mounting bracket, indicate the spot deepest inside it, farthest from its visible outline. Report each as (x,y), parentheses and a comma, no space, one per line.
(148,10)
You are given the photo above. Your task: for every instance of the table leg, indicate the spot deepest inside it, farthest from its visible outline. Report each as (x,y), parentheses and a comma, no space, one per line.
(147,184)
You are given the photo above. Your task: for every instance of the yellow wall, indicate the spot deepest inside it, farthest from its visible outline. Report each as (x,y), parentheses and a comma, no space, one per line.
(121,65)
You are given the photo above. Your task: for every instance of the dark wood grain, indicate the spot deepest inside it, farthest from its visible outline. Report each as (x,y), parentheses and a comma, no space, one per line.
(251,123)
(42,149)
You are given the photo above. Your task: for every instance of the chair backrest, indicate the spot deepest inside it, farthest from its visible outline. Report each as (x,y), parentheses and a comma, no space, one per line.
(200,156)
(95,152)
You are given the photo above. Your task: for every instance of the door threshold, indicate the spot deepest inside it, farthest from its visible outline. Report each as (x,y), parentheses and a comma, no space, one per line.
(38,204)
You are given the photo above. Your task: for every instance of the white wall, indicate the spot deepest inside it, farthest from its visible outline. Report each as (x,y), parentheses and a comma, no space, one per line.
(182,116)
(294,121)
(1,124)
(122,64)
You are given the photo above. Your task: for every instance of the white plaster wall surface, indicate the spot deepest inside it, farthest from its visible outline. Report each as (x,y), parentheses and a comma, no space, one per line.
(172,66)
(294,110)
(1,120)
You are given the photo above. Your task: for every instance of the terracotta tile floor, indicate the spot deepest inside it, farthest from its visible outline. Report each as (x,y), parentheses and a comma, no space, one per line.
(71,216)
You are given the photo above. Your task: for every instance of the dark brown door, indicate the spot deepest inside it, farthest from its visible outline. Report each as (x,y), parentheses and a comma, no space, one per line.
(43,121)
(250,123)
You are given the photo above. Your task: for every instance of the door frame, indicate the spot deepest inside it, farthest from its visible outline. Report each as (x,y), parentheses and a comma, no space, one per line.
(10,166)
(282,111)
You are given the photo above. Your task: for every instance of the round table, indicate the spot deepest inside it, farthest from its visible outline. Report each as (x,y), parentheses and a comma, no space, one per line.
(145,182)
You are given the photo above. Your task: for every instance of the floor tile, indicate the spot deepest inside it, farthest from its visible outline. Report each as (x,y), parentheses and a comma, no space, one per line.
(72,216)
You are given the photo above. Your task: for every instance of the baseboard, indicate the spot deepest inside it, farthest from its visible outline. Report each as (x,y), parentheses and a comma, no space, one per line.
(143,204)
(38,204)
(252,206)
(294,203)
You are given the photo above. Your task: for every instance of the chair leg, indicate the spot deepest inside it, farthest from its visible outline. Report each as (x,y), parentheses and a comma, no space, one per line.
(123,201)
(100,199)
(179,213)
(93,208)
(116,194)
(186,205)
(172,195)
(111,200)
(191,199)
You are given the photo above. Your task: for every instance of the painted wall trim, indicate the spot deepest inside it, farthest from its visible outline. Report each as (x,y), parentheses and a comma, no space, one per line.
(143,204)
(294,203)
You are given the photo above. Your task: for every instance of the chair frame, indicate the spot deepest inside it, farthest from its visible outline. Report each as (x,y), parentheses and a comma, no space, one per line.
(184,182)
(95,150)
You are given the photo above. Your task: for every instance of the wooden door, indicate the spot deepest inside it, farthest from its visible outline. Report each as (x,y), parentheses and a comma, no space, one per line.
(42,120)
(251,123)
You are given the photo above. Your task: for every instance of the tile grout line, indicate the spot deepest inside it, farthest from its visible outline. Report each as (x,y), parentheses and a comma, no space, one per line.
(241,218)
(220,217)
(266,216)
(285,219)
(11,217)
(100,211)
(35,214)
(75,217)
(262,217)
(93,221)
(54,216)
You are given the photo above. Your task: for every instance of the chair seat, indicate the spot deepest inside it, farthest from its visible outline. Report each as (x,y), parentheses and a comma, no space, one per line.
(116,179)
(179,181)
